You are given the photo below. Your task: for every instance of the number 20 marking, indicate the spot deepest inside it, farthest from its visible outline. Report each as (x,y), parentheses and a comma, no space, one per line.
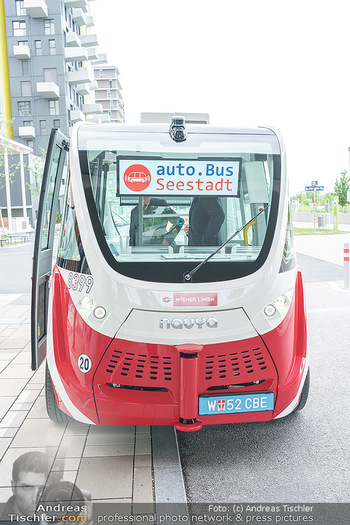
(77,281)
(84,363)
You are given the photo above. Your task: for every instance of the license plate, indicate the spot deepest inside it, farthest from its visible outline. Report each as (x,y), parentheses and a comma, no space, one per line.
(236,404)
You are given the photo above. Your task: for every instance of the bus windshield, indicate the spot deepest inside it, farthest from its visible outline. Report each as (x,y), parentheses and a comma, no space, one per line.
(160,204)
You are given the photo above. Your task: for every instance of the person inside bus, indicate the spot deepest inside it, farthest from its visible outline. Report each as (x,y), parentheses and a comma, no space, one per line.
(160,223)
(206,216)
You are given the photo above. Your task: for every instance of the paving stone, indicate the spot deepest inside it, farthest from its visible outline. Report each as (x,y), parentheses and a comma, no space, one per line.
(76,429)
(5,494)
(38,410)
(14,371)
(5,404)
(13,453)
(56,476)
(101,435)
(13,343)
(4,445)
(8,355)
(64,464)
(13,418)
(23,358)
(143,461)
(143,444)
(8,432)
(50,433)
(27,395)
(71,447)
(107,477)
(109,450)
(11,387)
(143,485)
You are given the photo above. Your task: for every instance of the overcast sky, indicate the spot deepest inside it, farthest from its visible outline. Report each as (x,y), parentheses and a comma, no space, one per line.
(283,63)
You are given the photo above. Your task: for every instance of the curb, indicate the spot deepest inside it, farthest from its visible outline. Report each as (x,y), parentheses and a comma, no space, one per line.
(169,486)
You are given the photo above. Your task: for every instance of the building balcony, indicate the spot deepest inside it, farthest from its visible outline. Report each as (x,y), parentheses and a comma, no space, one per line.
(75,54)
(76,115)
(79,16)
(83,89)
(104,117)
(88,40)
(48,90)
(26,132)
(36,8)
(21,52)
(93,85)
(92,54)
(82,76)
(89,21)
(72,39)
(101,59)
(82,4)
(92,109)
(119,84)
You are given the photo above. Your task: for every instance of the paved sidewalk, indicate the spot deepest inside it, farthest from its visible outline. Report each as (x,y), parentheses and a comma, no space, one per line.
(113,464)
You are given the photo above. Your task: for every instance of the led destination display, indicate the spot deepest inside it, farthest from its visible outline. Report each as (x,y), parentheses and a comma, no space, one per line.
(174,177)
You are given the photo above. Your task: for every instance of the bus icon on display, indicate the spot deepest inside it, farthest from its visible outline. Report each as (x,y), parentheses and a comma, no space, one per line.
(137,177)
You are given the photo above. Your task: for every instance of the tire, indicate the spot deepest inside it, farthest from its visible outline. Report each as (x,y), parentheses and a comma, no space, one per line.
(304,393)
(53,411)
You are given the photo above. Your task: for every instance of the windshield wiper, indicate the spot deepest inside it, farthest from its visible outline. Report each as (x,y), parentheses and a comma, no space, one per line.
(188,275)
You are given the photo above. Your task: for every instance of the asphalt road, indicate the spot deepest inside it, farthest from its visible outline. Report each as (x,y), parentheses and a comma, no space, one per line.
(301,458)
(16,268)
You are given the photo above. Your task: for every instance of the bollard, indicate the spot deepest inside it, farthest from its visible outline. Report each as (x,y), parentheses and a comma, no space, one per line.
(346,265)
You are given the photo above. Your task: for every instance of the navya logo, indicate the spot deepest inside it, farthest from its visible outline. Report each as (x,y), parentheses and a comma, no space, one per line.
(188,323)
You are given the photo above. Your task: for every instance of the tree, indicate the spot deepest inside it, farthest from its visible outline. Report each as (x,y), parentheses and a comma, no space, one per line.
(36,169)
(341,188)
(5,149)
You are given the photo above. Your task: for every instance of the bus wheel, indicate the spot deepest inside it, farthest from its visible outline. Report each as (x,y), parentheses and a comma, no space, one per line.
(54,412)
(304,393)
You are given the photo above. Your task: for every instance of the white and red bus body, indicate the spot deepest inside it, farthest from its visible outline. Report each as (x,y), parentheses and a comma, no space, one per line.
(128,340)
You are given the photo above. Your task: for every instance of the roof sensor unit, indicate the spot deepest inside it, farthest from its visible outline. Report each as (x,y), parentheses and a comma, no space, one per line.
(177,129)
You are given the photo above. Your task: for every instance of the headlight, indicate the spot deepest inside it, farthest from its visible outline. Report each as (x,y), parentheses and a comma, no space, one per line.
(278,303)
(99,312)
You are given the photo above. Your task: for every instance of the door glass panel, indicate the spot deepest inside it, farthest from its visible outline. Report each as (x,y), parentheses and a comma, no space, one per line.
(42,311)
(49,197)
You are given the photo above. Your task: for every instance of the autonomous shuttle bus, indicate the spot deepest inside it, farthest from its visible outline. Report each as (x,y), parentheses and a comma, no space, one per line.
(174,297)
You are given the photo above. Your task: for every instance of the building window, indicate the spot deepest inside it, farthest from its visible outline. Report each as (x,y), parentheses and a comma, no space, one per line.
(108,93)
(27,123)
(38,48)
(30,143)
(19,28)
(110,83)
(54,107)
(26,89)
(111,104)
(20,11)
(100,72)
(52,47)
(22,42)
(25,68)
(24,109)
(43,127)
(49,27)
(57,123)
(50,74)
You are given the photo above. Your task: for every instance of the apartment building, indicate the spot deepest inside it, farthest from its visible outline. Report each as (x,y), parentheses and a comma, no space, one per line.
(108,93)
(52,51)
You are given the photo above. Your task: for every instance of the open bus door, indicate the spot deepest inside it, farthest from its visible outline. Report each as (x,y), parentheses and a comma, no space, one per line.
(44,240)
